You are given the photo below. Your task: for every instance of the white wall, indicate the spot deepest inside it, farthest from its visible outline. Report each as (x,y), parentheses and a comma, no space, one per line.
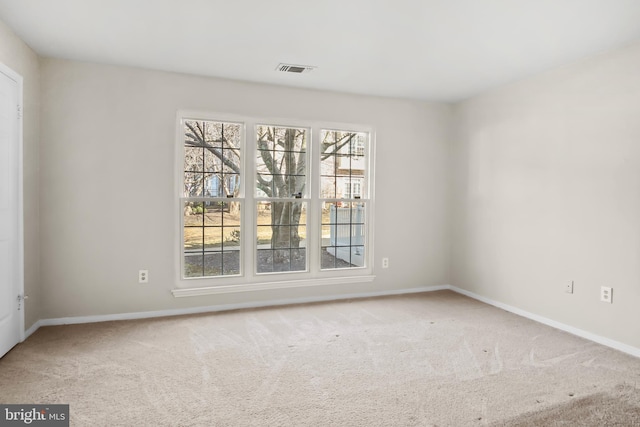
(15,54)
(108,199)
(546,188)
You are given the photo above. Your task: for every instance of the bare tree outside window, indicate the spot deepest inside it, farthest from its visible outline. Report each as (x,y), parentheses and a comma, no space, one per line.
(281,178)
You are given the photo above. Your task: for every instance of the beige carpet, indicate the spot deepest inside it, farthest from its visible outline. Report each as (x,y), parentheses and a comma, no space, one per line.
(616,408)
(432,359)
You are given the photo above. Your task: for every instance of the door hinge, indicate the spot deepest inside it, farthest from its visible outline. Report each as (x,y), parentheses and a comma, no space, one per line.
(19,111)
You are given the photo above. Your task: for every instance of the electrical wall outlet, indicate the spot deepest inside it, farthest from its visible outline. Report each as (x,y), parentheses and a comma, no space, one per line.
(385,262)
(606,294)
(568,287)
(143,276)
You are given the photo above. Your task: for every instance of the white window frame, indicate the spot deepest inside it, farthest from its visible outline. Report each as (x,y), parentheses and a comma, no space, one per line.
(249,279)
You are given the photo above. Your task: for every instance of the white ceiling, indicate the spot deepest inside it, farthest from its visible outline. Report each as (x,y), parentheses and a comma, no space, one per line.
(443,50)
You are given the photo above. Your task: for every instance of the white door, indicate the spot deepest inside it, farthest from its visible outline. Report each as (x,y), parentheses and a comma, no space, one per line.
(11,307)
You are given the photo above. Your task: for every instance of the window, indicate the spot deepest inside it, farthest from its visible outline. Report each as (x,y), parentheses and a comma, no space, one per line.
(297,204)
(211,208)
(343,170)
(281,175)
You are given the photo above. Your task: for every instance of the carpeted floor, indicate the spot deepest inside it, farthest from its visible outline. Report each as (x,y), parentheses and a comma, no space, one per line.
(432,359)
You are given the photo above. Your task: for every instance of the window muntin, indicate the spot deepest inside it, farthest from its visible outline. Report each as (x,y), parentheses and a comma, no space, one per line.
(211,221)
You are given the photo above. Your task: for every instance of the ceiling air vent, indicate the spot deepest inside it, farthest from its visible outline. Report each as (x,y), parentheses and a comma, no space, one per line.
(290,68)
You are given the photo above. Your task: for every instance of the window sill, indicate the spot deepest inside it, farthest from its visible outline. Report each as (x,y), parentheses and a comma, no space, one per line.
(213,290)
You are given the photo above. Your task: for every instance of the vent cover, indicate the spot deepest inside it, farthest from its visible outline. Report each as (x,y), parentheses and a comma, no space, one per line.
(298,69)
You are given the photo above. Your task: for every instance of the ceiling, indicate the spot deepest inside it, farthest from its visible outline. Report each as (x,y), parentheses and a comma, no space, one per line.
(441,50)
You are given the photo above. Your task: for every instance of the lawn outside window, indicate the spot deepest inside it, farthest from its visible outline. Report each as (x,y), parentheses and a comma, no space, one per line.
(264,200)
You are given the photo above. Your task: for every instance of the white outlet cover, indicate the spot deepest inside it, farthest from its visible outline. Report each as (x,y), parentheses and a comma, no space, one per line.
(568,287)
(143,276)
(606,294)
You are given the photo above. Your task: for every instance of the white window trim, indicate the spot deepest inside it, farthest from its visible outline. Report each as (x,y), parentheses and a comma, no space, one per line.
(249,280)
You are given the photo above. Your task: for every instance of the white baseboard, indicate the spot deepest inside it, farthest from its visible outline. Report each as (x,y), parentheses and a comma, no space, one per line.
(32,329)
(549,322)
(227,307)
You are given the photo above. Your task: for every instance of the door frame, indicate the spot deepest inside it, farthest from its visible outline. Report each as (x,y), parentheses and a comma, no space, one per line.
(8,72)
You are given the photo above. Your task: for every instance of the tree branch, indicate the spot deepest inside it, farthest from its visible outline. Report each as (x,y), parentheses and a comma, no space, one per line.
(268,160)
(264,185)
(216,152)
(337,145)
